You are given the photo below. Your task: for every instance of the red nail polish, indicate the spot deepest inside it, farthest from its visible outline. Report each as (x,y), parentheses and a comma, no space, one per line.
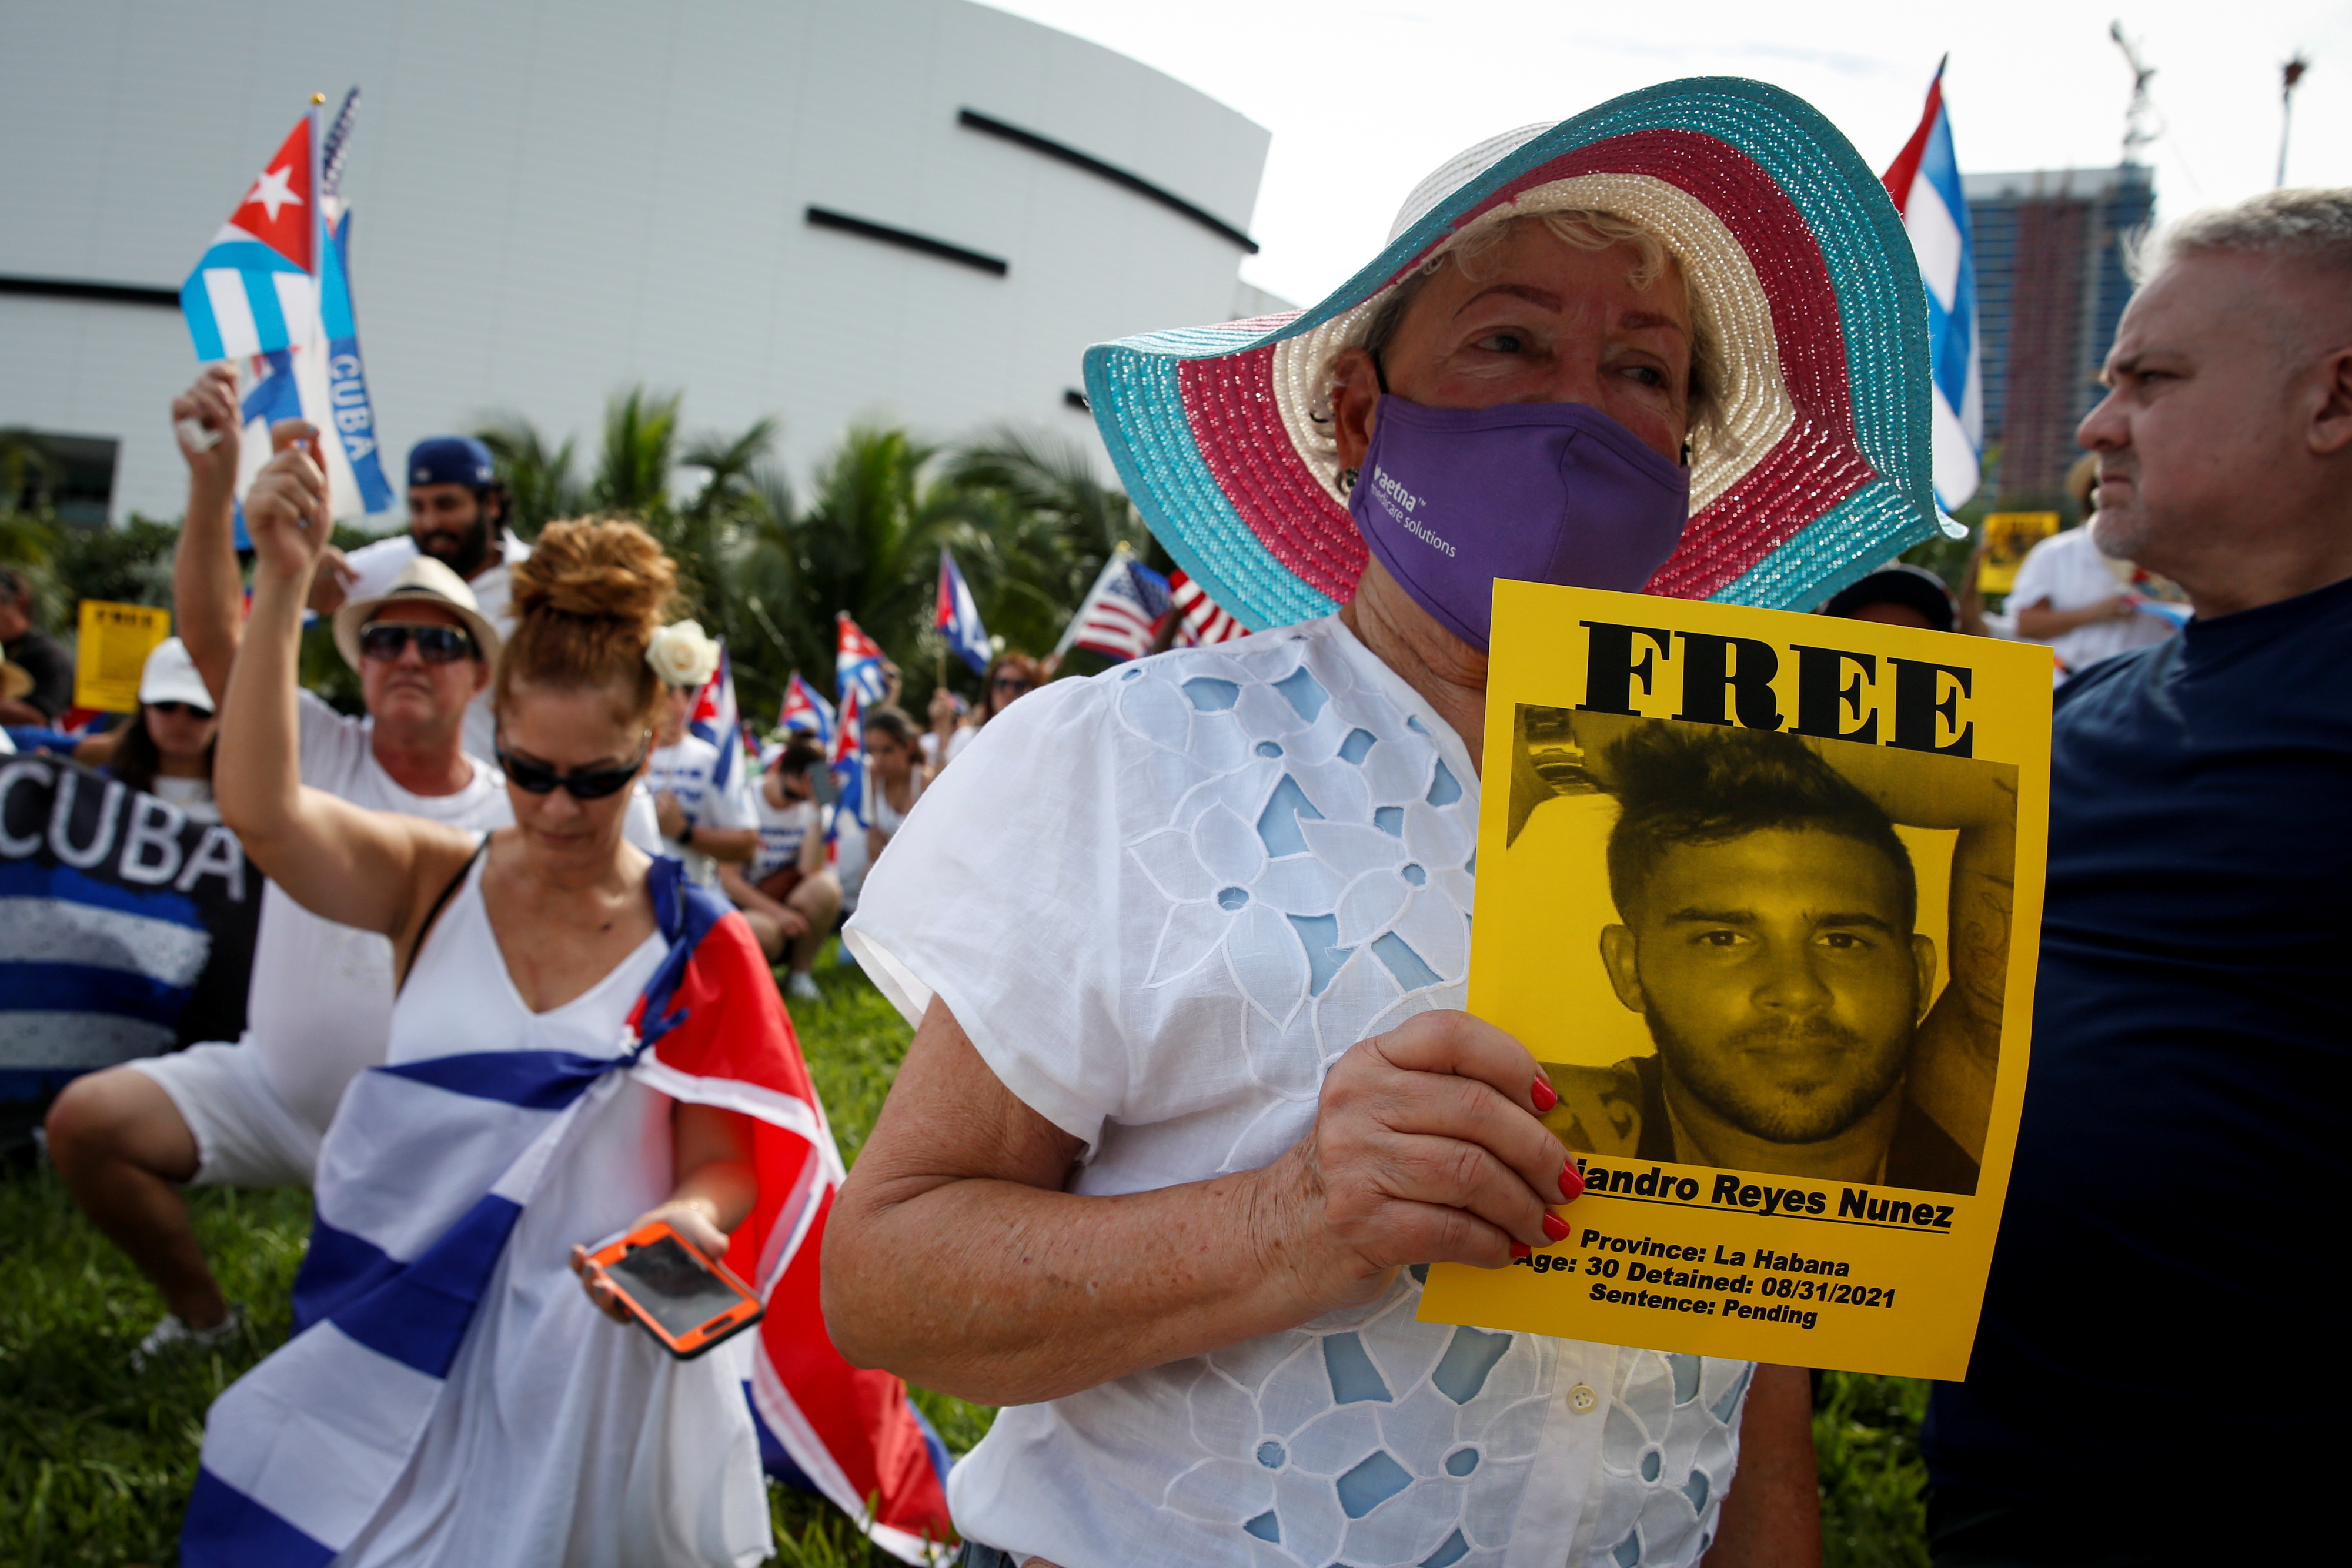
(1571,1183)
(1544,1095)
(1521,1249)
(1556,1228)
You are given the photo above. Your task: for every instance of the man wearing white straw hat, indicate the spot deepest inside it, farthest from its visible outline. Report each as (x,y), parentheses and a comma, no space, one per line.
(1167,1194)
(251,1113)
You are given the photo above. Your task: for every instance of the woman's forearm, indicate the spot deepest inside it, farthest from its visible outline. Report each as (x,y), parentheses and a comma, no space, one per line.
(256,772)
(1001,1293)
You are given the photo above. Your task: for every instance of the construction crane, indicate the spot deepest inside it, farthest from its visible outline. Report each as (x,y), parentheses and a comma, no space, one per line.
(2140,120)
(2293,73)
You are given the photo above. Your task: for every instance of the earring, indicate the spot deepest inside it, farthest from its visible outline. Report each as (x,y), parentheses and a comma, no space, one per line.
(1347,481)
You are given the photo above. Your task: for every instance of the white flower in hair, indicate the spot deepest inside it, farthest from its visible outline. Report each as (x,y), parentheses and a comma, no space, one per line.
(683,654)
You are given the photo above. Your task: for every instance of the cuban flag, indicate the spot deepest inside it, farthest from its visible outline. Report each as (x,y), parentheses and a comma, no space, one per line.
(847,760)
(303,1453)
(1925,181)
(272,292)
(113,906)
(805,711)
(959,618)
(1121,612)
(714,718)
(857,662)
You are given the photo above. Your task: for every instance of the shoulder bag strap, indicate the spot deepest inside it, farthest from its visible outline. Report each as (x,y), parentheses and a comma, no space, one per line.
(440,902)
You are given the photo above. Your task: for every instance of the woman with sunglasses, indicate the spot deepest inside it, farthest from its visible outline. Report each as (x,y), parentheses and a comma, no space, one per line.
(166,750)
(1012,676)
(532,960)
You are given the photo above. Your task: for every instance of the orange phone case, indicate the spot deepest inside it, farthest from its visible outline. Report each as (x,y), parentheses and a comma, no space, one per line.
(689,1343)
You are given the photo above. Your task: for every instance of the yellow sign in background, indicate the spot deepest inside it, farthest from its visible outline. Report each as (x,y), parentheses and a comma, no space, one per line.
(2008,537)
(111,651)
(1866,1246)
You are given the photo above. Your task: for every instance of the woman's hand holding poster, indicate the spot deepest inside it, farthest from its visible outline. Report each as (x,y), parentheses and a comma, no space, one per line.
(1762,891)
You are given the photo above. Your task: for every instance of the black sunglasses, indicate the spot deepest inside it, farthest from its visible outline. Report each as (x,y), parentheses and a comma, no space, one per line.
(434,644)
(582,784)
(175,710)
(1014,684)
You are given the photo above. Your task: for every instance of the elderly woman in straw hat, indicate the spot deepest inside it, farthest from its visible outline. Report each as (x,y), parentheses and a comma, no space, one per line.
(1169,1194)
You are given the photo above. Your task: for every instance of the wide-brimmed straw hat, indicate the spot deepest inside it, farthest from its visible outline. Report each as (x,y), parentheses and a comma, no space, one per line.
(424,580)
(1812,466)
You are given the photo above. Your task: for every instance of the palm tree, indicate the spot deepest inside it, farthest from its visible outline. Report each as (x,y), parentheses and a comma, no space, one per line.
(633,472)
(1070,524)
(541,481)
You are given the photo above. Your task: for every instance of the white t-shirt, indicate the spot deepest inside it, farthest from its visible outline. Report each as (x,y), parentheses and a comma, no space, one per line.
(783,830)
(380,563)
(1162,903)
(194,797)
(319,1010)
(2067,569)
(686,771)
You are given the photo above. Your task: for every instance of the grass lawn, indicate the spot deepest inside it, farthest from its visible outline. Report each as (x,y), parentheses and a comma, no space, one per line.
(96,1462)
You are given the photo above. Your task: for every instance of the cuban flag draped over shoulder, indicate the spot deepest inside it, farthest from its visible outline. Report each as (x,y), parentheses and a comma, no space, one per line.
(1925,181)
(272,292)
(857,662)
(302,1453)
(805,711)
(959,617)
(714,718)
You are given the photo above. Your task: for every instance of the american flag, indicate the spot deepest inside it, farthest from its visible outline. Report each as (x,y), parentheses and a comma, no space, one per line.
(1122,611)
(1204,621)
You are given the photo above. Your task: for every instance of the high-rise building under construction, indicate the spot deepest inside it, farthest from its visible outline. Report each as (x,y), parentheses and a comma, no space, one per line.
(2051,286)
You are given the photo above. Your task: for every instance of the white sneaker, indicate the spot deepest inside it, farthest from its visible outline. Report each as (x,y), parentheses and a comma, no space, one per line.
(172,1332)
(801,988)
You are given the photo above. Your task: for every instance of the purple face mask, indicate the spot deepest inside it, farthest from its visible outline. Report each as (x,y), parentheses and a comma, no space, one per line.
(1452,498)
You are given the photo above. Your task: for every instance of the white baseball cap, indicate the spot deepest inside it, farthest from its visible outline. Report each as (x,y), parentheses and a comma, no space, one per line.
(170,676)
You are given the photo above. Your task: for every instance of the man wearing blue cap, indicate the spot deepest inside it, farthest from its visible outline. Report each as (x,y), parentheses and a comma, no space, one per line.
(457,514)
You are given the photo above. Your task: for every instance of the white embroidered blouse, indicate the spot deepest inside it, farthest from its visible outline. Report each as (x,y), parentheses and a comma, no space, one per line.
(1162,902)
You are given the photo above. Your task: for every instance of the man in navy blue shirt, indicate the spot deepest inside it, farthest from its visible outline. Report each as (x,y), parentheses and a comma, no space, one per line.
(2157,1372)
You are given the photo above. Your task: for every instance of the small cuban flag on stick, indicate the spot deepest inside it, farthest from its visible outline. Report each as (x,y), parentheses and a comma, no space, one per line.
(959,618)
(858,663)
(805,711)
(847,760)
(1925,181)
(272,292)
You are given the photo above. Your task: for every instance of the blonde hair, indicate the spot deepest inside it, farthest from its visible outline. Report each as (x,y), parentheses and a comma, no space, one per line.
(587,603)
(1584,228)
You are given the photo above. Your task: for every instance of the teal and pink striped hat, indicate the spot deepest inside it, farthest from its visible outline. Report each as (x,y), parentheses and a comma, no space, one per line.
(1814,469)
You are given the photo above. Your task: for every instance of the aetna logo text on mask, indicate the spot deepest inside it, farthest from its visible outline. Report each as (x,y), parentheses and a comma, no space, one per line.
(1394,491)
(1400,504)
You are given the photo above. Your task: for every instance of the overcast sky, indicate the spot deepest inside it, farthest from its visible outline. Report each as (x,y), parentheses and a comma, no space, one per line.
(1362,100)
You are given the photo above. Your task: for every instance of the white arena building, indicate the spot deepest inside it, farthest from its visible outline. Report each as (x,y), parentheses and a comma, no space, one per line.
(914,210)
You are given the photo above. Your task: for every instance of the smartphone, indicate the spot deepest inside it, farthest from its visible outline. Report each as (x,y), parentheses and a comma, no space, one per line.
(681,1298)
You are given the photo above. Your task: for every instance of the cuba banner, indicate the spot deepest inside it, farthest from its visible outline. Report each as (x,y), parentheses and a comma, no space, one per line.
(121,923)
(1762,891)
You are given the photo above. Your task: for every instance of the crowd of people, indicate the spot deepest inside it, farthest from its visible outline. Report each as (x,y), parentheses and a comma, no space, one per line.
(1168,1195)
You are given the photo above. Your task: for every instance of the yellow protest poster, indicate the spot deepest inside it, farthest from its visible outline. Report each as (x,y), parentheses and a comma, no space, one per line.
(1763,890)
(111,651)
(2008,537)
